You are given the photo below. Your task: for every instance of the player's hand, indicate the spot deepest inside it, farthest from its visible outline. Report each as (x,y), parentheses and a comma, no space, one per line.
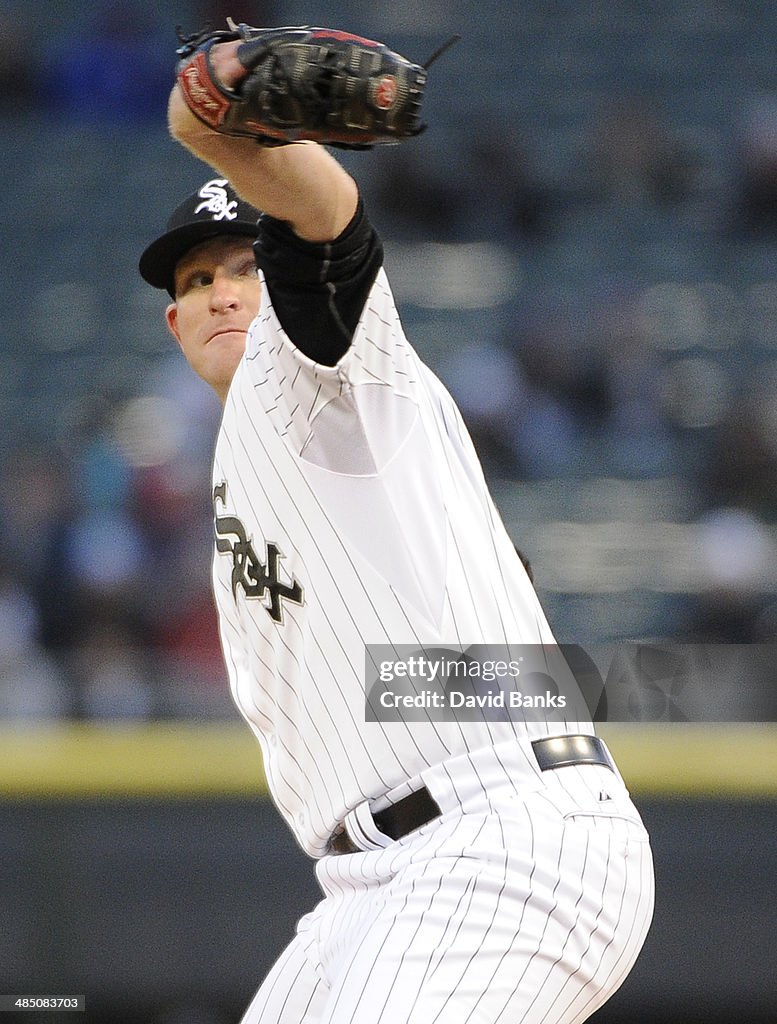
(225,65)
(226,69)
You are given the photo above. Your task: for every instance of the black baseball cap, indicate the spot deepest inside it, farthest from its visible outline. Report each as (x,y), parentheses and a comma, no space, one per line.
(211,211)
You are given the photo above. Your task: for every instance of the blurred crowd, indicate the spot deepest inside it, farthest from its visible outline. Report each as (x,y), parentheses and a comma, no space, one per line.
(105,607)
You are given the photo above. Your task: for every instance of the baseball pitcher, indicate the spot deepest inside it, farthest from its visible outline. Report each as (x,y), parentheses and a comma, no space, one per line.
(475,869)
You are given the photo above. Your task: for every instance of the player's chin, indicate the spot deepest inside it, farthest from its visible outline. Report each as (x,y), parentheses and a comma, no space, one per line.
(226,347)
(219,368)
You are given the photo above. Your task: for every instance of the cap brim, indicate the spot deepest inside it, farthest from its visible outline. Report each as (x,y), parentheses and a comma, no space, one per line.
(158,262)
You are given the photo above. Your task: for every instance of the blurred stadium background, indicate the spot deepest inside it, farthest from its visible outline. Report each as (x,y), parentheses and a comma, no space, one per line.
(583,246)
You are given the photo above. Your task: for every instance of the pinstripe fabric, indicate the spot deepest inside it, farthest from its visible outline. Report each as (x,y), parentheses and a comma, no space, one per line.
(364,478)
(527,901)
(291,992)
(529,898)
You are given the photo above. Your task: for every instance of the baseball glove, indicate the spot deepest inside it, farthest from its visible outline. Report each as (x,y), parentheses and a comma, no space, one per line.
(305,83)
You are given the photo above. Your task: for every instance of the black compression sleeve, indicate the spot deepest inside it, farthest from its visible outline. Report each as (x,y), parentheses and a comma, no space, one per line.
(319,289)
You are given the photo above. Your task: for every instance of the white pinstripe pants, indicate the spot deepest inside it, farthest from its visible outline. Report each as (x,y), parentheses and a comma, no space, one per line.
(527,902)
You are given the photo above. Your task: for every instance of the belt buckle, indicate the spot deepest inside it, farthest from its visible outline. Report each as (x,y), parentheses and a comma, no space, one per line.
(562,751)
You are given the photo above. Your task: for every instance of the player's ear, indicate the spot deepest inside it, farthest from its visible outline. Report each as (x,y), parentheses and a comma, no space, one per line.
(171,318)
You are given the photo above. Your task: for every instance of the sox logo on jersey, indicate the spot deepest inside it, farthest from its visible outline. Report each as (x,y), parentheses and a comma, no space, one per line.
(254,577)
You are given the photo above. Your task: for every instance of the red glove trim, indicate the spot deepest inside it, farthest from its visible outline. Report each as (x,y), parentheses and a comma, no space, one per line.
(342,37)
(201,93)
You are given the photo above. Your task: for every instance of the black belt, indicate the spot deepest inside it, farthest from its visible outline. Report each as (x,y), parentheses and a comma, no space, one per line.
(418,809)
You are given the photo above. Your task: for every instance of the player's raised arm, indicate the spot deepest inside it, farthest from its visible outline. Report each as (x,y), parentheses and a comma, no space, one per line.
(254,104)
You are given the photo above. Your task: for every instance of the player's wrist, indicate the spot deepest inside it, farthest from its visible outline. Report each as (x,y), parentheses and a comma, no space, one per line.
(182,123)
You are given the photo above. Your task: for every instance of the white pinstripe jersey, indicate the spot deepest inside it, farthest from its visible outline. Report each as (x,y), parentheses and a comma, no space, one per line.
(356,488)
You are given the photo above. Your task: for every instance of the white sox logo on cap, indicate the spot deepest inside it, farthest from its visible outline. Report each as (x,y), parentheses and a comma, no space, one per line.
(216,200)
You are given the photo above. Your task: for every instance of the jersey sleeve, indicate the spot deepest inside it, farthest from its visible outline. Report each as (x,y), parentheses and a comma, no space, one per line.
(318,290)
